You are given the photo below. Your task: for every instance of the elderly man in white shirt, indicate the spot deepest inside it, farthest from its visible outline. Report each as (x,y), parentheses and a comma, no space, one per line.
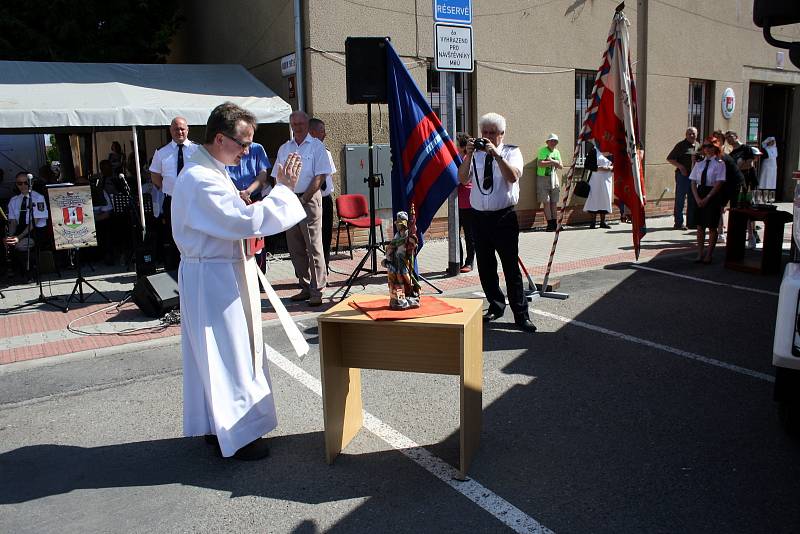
(168,161)
(495,169)
(305,240)
(226,387)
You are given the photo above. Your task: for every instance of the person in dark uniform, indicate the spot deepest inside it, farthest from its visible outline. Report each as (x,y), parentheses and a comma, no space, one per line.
(494,169)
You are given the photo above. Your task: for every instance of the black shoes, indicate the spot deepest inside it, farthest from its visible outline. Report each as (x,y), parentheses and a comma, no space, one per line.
(525,324)
(604,225)
(490,316)
(255,450)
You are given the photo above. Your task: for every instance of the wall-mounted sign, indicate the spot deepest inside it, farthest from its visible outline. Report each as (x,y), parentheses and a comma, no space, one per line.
(292,83)
(728,103)
(288,65)
(453,48)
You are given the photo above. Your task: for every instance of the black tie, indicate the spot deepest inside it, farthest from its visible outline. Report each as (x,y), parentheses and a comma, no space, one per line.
(705,173)
(180,159)
(22,221)
(488,172)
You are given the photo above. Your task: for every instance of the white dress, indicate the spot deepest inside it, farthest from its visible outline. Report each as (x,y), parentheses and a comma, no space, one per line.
(768,175)
(601,188)
(226,387)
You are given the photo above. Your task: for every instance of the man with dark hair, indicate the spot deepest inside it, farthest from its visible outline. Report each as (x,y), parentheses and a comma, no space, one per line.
(317,130)
(305,240)
(226,387)
(168,161)
(682,158)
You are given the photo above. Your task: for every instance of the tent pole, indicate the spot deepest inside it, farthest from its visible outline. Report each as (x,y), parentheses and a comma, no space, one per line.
(138,178)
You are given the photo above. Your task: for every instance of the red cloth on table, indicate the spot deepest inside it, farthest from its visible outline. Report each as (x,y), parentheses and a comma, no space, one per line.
(378,309)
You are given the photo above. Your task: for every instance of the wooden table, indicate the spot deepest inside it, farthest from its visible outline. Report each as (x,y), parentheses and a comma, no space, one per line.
(769,261)
(445,344)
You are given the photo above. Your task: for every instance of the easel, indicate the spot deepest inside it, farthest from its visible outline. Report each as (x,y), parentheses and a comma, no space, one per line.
(79,281)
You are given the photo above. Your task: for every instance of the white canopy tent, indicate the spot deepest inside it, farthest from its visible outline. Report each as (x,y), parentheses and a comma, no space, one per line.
(49,96)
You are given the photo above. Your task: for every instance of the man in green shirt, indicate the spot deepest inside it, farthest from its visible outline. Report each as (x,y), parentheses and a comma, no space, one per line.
(547,184)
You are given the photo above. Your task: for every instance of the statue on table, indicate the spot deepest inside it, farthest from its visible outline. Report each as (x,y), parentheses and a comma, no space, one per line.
(399,262)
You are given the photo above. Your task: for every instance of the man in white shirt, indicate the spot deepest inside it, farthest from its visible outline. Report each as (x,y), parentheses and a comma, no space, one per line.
(22,234)
(168,161)
(305,240)
(495,169)
(317,130)
(227,392)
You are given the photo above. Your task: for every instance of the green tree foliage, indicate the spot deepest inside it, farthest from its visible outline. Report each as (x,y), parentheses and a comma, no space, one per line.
(112,31)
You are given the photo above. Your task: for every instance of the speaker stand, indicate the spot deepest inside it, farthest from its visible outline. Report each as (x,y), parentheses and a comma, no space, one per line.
(372,246)
(78,287)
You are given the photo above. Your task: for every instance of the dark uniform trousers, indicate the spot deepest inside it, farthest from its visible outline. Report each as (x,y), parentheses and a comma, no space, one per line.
(498,231)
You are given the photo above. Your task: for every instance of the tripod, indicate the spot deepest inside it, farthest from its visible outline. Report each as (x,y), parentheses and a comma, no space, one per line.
(78,287)
(41,299)
(372,181)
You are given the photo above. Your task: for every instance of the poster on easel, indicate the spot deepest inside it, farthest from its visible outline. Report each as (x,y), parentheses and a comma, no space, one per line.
(72,216)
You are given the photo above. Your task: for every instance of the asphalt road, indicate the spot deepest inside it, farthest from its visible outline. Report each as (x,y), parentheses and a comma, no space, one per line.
(643,404)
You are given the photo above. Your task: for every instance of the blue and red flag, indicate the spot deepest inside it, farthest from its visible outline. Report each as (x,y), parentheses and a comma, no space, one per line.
(424,159)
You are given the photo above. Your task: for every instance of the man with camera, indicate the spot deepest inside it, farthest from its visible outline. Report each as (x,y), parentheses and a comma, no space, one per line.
(494,169)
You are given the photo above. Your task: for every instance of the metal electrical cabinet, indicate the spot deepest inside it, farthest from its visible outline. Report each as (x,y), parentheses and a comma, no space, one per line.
(356,161)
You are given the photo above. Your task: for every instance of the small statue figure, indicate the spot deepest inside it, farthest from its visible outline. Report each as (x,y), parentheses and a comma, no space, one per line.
(399,262)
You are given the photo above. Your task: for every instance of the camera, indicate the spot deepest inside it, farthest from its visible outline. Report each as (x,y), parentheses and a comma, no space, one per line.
(480,143)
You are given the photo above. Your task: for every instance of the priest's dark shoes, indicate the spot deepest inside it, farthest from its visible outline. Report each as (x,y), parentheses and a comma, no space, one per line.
(255,450)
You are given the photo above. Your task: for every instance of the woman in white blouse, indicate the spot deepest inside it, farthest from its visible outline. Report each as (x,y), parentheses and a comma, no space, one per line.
(708,178)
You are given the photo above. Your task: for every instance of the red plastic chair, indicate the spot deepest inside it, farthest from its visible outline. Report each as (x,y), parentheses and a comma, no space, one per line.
(353,211)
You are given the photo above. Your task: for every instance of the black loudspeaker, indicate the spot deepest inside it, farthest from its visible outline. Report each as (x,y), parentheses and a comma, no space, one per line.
(365,59)
(157,294)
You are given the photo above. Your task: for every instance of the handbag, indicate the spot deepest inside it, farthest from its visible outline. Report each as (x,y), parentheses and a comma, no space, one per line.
(582,189)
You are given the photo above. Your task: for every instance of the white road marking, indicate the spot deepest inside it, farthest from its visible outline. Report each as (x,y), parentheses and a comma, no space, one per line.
(703,280)
(502,510)
(659,346)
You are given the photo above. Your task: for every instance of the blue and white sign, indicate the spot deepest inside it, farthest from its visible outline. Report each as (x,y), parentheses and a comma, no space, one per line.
(453,11)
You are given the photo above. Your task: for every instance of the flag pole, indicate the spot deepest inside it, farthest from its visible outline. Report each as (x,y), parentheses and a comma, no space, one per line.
(616,38)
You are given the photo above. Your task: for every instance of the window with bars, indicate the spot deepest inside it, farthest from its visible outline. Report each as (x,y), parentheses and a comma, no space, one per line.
(438,99)
(584,82)
(699,110)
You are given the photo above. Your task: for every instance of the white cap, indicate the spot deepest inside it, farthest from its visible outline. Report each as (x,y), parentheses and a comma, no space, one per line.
(552,137)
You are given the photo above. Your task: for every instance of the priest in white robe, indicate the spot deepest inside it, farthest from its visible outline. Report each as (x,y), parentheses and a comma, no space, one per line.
(226,387)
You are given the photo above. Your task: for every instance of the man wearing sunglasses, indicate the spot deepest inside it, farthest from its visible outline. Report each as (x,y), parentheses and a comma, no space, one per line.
(305,239)
(167,164)
(494,169)
(22,233)
(226,388)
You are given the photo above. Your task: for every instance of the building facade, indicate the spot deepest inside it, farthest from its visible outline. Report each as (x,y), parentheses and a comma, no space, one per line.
(535,64)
